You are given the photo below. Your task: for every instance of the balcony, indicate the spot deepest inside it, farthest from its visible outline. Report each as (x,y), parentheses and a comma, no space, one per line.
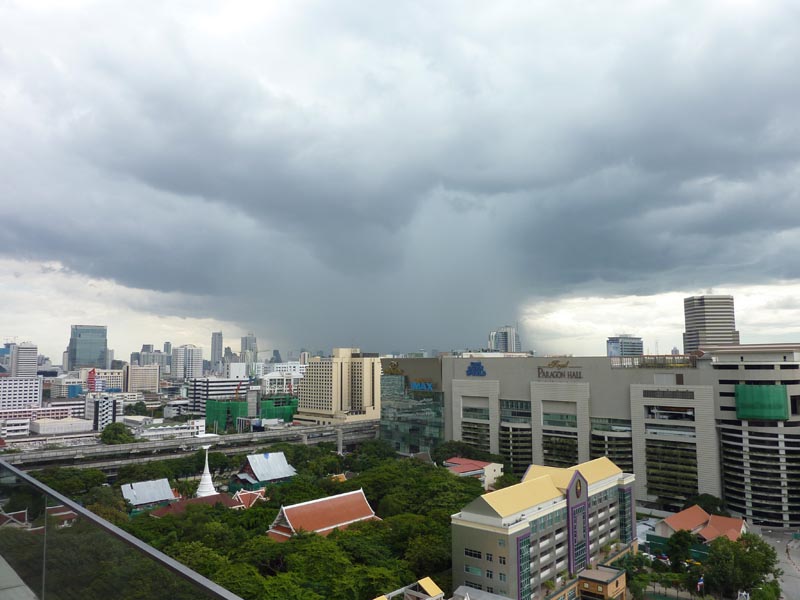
(52,548)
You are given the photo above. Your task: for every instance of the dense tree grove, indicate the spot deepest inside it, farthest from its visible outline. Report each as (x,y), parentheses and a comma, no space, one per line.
(412,539)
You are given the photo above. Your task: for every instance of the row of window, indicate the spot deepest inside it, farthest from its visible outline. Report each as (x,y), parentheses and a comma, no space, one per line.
(479,573)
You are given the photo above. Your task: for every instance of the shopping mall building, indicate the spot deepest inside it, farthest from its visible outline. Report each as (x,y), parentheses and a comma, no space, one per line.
(725,423)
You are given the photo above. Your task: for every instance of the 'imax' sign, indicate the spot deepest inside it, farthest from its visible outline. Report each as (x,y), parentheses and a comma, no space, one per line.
(475,369)
(421,386)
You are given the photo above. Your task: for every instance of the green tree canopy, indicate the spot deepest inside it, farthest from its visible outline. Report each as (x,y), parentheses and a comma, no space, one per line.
(709,503)
(117,433)
(679,547)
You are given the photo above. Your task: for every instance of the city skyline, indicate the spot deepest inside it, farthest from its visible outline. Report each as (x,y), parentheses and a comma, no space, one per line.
(539,165)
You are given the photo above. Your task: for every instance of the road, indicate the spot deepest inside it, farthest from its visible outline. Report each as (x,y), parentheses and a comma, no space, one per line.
(789,555)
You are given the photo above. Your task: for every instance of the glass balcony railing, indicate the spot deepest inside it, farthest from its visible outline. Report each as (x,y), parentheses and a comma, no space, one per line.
(53,549)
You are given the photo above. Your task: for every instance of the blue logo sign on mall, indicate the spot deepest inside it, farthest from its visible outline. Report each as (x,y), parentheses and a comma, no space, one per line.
(421,386)
(475,369)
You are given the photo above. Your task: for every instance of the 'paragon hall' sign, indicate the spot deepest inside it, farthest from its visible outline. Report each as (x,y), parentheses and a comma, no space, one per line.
(559,369)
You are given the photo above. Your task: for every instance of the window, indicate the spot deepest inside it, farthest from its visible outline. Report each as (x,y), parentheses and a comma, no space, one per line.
(490,589)
(472,570)
(489,557)
(599,588)
(489,574)
(501,576)
(474,586)
(472,553)
(501,542)
(501,560)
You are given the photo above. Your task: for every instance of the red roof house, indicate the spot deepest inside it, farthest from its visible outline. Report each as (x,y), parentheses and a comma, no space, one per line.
(322,515)
(179,507)
(709,527)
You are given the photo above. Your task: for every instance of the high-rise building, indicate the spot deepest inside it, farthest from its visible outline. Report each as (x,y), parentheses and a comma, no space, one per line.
(167,347)
(505,339)
(624,344)
(216,352)
(345,387)
(24,360)
(88,347)
(20,392)
(187,362)
(201,390)
(142,378)
(709,322)
(102,409)
(250,344)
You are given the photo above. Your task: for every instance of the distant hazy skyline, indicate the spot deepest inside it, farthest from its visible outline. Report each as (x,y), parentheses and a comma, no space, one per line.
(397,175)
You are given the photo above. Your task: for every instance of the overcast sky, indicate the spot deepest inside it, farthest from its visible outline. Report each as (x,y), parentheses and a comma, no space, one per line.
(397,175)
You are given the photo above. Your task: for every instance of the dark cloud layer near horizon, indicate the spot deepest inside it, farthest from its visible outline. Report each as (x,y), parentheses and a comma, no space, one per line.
(400,175)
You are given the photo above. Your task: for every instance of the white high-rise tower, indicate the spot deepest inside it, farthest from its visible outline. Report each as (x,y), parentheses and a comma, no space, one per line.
(24,360)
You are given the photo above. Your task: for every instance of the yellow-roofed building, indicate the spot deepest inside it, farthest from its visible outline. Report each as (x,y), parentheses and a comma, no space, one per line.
(555,523)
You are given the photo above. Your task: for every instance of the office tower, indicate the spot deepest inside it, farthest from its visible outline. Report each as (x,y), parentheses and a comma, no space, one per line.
(20,392)
(304,356)
(250,344)
(142,379)
(624,344)
(709,322)
(187,362)
(276,357)
(88,347)
(216,352)
(147,347)
(345,387)
(167,347)
(135,357)
(505,339)
(24,360)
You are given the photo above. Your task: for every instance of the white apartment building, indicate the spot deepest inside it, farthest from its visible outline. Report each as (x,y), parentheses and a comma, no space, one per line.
(237,370)
(187,362)
(105,379)
(281,383)
(214,388)
(343,388)
(292,366)
(20,392)
(24,360)
(102,410)
(142,379)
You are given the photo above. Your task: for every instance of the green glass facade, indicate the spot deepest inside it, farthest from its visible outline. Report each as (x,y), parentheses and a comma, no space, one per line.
(282,407)
(221,414)
(411,420)
(762,402)
(88,347)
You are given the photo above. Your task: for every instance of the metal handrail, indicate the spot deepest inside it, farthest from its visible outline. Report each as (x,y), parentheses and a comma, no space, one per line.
(170,563)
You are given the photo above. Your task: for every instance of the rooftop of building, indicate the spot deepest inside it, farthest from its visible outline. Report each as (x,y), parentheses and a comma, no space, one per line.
(540,485)
(460,465)
(694,519)
(601,574)
(148,492)
(322,515)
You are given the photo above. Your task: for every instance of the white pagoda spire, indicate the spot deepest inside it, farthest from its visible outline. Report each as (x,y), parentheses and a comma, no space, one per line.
(206,487)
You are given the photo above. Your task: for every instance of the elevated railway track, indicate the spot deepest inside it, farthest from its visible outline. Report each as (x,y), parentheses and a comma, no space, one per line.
(110,458)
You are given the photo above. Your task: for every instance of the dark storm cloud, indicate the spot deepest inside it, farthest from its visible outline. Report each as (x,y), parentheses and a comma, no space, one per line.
(405,175)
